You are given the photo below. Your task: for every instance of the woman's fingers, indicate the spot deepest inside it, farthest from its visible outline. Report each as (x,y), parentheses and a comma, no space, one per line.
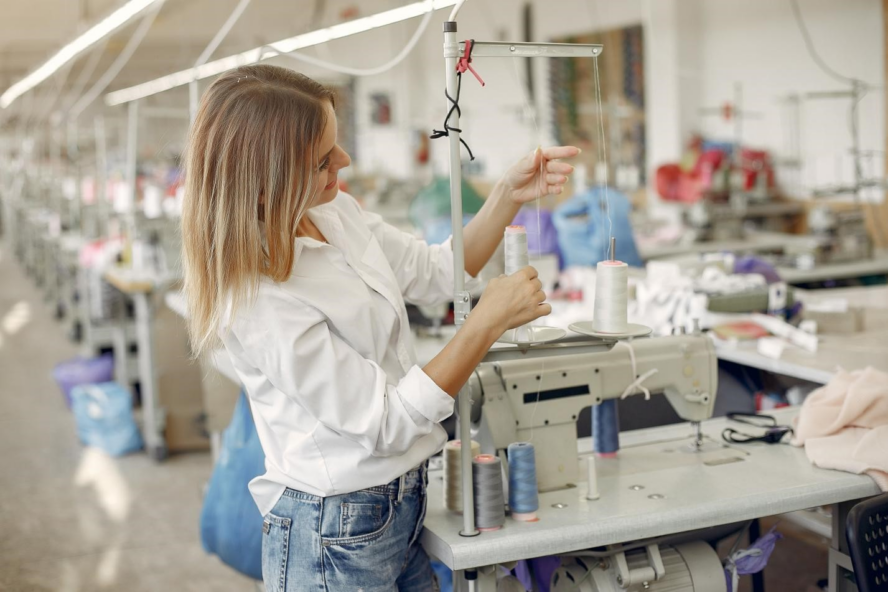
(554,152)
(537,284)
(539,296)
(542,310)
(530,272)
(556,179)
(560,168)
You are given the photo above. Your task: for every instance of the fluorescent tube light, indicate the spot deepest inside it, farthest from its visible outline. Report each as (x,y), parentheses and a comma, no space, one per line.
(252,56)
(94,34)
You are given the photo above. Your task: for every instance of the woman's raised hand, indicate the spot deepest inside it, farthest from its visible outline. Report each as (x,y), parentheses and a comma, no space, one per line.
(539,173)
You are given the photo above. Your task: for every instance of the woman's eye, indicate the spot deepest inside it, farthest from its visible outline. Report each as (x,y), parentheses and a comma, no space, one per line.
(325,165)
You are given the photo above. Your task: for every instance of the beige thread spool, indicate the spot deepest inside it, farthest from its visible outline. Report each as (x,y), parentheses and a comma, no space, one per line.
(452,475)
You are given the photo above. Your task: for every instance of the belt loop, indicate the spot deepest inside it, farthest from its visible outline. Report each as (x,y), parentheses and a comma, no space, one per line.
(401,481)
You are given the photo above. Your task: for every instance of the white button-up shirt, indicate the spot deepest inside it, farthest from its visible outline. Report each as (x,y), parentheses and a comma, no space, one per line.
(327,359)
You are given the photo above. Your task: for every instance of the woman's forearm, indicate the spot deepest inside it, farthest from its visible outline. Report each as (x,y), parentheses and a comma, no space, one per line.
(482,235)
(451,368)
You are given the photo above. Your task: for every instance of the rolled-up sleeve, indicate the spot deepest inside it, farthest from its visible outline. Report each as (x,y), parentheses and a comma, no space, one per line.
(349,394)
(424,272)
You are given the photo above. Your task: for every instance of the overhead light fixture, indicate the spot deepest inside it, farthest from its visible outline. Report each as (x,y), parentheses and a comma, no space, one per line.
(253,56)
(93,35)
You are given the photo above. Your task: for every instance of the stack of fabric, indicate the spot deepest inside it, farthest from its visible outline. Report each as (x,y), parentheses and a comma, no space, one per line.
(844,424)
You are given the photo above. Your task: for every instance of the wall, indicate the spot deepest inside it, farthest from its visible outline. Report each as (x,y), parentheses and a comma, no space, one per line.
(695,51)
(757,43)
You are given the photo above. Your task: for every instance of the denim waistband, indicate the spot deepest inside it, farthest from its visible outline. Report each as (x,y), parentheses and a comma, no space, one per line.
(415,478)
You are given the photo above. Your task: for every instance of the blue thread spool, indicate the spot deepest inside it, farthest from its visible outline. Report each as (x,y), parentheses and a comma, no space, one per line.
(606,428)
(524,499)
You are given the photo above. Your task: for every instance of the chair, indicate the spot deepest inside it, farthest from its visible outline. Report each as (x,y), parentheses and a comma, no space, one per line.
(867,533)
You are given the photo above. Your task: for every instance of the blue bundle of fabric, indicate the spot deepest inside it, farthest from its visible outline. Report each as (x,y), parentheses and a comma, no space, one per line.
(104,416)
(584,229)
(230,522)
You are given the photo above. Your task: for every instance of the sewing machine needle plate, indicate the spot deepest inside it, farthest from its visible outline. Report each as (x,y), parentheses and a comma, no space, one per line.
(531,335)
(632,330)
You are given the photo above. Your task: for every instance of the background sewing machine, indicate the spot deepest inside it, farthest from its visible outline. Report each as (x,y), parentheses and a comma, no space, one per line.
(537,394)
(836,236)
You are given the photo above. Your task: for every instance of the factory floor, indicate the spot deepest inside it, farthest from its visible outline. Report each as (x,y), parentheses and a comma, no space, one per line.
(74,519)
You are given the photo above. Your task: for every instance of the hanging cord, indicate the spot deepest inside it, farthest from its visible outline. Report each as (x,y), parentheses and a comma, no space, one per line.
(85,74)
(542,184)
(303,57)
(602,157)
(111,73)
(462,65)
(637,385)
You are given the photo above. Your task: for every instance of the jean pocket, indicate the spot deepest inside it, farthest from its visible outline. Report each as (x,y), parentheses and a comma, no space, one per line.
(275,551)
(362,521)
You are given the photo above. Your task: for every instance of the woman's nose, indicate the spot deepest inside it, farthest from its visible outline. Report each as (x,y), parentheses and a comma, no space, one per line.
(344,160)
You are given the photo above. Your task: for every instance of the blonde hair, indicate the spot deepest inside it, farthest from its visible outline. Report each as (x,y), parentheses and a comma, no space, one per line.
(250,162)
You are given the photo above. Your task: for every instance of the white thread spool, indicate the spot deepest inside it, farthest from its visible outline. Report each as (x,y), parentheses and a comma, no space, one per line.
(611,297)
(591,479)
(515,238)
(516,248)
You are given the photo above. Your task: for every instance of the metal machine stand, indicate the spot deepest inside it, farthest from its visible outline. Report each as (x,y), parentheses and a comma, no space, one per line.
(462,301)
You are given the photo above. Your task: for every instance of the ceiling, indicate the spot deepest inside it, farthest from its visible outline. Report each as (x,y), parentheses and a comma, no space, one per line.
(31,31)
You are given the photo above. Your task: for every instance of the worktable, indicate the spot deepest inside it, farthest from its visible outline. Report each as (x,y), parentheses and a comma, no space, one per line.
(218,359)
(654,487)
(754,242)
(877,265)
(850,351)
(139,285)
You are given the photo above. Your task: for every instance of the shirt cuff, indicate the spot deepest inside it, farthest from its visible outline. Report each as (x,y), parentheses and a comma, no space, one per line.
(425,397)
(471,282)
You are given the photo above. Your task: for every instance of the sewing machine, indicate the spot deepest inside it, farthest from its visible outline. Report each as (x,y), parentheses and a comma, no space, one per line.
(714,220)
(839,235)
(541,391)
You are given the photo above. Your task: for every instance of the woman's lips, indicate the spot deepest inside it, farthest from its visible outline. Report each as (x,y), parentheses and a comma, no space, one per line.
(331,184)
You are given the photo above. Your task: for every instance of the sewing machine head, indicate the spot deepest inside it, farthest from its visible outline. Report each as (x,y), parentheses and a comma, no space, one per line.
(542,391)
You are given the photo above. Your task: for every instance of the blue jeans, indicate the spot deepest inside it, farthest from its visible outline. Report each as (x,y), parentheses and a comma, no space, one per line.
(365,541)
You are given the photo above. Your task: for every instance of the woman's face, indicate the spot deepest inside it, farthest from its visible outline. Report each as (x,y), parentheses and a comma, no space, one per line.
(332,159)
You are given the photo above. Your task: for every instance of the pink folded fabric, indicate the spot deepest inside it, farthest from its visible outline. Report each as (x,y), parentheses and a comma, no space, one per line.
(844,424)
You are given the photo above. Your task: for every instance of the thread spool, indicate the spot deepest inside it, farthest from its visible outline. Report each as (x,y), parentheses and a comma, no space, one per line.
(490,503)
(516,257)
(606,428)
(611,297)
(591,479)
(524,499)
(453,474)
(516,248)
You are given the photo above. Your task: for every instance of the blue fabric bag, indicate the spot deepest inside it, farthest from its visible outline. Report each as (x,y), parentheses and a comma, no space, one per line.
(230,522)
(104,416)
(582,225)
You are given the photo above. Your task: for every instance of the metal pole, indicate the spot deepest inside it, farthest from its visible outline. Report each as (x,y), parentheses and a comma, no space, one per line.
(132,132)
(192,100)
(855,140)
(101,180)
(75,219)
(462,302)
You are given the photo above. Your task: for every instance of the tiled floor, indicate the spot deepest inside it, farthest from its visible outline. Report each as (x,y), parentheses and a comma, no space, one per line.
(74,519)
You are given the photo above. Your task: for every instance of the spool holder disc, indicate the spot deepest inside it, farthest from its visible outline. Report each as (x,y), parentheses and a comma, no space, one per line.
(632,330)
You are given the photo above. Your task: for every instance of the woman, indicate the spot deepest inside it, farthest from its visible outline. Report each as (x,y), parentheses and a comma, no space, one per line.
(306,292)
